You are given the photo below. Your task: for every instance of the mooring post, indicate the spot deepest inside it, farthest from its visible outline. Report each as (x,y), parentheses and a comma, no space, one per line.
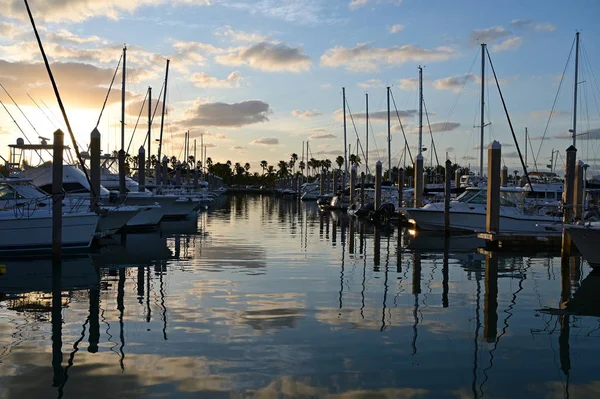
(57,194)
(157,173)
(492,223)
(165,170)
(490,307)
(447,190)
(95,168)
(122,188)
(578,193)
(196,177)
(141,169)
(322,182)
(457,178)
(568,195)
(378,167)
(418,200)
(362,189)
(416,276)
(504,179)
(178,174)
(400,187)
(352,183)
(376,247)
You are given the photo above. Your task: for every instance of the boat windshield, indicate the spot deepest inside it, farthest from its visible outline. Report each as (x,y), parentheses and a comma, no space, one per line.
(467,195)
(507,198)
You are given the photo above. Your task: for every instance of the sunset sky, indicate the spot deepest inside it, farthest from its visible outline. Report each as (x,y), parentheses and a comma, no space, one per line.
(259,77)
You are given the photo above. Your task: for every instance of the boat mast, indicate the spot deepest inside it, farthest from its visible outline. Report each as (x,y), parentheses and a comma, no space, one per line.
(122,188)
(345,142)
(482,124)
(420,110)
(149,127)
(575,90)
(162,119)
(389,138)
(367,125)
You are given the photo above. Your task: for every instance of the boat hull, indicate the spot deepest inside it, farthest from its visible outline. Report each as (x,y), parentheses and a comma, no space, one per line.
(587,240)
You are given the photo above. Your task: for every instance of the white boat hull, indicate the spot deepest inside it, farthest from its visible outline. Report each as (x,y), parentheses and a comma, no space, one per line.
(115,219)
(147,218)
(35,233)
(587,240)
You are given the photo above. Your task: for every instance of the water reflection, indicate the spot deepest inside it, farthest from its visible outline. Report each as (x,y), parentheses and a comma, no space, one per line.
(269,297)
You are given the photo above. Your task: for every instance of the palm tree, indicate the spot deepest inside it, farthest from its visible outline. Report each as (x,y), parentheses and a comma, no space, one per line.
(283,168)
(354,160)
(228,163)
(293,159)
(209,162)
(237,167)
(339,161)
(153,160)
(301,166)
(270,170)
(326,164)
(191,160)
(173,161)
(263,165)
(247,167)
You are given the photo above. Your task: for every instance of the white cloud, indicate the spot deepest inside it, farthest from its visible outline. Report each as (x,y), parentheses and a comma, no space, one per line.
(326,86)
(364,57)
(488,35)
(354,4)
(408,84)
(508,44)
(530,24)
(544,115)
(206,81)
(240,36)
(306,114)
(223,114)
(322,137)
(396,28)
(266,141)
(264,56)
(454,82)
(371,83)
(437,127)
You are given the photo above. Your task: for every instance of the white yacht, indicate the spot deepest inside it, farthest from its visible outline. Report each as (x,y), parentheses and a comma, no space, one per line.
(468,213)
(587,239)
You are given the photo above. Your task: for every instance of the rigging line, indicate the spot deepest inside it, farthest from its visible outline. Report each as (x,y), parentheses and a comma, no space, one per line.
(51,113)
(109,89)
(19,127)
(372,131)
(19,108)
(40,108)
(554,103)
(509,122)
(401,127)
(60,104)
(591,70)
(356,132)
(431,134)
(136,123)
(155,109)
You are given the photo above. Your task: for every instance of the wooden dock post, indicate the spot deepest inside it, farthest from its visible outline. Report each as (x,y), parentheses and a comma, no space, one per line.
(578,194)
(568,195)
(400,187)
(165,170)
(157,173)
(447,190)
(352,184)
(196,177)
(95,168)
(378,167)
(141,169)
(322,182)
(122,187)
(418,194)
(492,222)
(490,309)
(57,194)
(457,178)
(504,179)
(362,189)
(334,189)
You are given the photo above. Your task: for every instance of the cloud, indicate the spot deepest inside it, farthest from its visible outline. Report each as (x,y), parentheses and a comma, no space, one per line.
(338,115)
(81,10)
(305,12)
(133,108)
(437,127)
(239,149)
(240,36)
(370,84)
(531,25)
(544,115)
(322,137)
(206,81)
(396,28)
(364,57)
(306,114)
(591,134)
(454,82)
(488,35)
(326,86)
(266,141)
(223,114)
(408,84)
(81,85)
(508,44)
(210,145)
(354,4)
(270,57)
(449,149)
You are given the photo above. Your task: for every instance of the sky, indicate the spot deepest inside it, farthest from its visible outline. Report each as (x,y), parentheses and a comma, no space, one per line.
(259,77)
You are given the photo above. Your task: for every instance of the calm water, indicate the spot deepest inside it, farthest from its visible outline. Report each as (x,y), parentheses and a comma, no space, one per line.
(269,298)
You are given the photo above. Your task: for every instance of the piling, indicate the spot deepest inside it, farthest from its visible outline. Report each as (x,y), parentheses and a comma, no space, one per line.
(165,170)
(57,194)
(142,169)
(352,183)
(418,195)
(377,184)
(400,187)
(157,173)
(196,178)
(95,167)
(178,174)
(578,191)
(492,221)
(490,307)
(504,178)
(457,178)
(122,188)
(362,189)
(447,190)
(322,182)
(568,195)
